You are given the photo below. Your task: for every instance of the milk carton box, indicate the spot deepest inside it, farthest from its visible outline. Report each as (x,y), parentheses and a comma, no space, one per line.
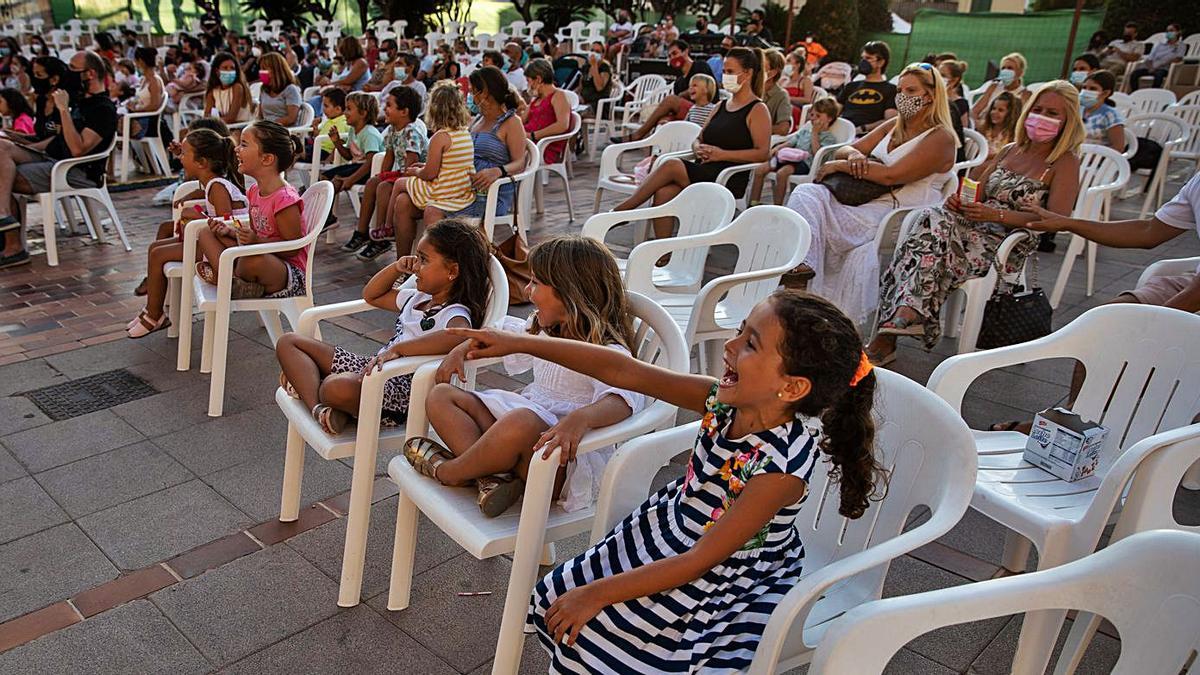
(1062,443)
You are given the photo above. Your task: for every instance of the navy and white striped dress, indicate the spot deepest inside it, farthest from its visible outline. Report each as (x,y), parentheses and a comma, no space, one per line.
(714,623)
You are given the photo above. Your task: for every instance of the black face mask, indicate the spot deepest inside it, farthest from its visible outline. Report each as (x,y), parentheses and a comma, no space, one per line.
(865,67)
(71,83)
(41,85)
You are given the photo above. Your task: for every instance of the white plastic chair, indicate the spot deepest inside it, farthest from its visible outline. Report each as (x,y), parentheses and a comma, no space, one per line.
(1174,131)
(975,147)
(518,217)
(538,522)
(190,107)
(1141,584)
(173,271)
(770,240)
(401,27)
(355,193)
(1192,97)
(302,127)
(559,168)
(157,162)
(1189,150)
(644,92)
(604,122)
(365,438)
(1149,505)
(843,131)
(1123,103)
(926,447)
(571,33)
(1143,377)
(671,137)
(1151,100)
(700,208)
(1102,172)
(61,189)
(217,306)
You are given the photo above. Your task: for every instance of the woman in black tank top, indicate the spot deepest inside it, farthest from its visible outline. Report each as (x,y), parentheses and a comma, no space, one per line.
(738,132)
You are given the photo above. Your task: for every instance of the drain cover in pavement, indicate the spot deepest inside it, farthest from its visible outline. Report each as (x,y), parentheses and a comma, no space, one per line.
(89,394)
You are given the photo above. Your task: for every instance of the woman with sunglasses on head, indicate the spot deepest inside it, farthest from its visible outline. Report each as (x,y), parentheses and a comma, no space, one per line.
(957,241)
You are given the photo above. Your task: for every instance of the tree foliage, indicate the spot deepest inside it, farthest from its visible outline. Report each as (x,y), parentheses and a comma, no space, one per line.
(1151,17)
(874,16)
(834,23)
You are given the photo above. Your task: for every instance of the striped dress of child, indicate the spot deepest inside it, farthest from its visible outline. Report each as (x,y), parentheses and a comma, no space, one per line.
(451,190)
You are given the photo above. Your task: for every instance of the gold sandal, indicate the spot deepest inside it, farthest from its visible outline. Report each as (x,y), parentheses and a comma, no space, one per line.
(332,420)
(426,455)
(497,493)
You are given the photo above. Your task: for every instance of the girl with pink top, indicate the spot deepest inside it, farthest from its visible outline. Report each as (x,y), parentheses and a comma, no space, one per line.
(276,213)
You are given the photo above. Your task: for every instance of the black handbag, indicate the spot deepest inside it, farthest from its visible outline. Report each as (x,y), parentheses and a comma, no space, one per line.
(1014,315)
(852,191)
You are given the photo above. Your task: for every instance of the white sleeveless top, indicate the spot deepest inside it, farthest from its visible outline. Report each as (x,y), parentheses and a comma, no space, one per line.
(920,191)
(235,196)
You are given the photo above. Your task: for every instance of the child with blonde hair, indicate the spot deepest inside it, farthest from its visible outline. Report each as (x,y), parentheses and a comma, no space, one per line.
(795,154)
(490,436)
(443,183)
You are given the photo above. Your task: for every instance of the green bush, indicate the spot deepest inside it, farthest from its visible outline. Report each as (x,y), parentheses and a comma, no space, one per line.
(834,23)
(874,16)
(1151,17)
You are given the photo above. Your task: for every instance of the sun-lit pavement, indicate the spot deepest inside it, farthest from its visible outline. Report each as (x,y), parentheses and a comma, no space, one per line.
(141,537)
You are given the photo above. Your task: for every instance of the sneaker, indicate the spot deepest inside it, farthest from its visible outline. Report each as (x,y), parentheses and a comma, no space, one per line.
(19,258)
(357,241)
(373,250)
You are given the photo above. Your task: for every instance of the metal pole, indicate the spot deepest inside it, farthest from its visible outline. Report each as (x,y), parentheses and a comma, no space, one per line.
(1069,57)
(733,17)
(791,15)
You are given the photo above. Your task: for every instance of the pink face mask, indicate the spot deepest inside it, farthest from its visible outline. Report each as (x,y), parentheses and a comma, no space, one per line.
(1041,128)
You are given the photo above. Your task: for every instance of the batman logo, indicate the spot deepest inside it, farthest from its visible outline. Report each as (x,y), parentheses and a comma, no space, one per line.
(865,97)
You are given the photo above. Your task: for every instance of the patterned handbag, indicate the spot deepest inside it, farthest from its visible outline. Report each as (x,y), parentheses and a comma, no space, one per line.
(1014,315)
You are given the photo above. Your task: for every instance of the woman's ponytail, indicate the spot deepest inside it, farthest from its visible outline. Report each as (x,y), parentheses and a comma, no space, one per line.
(231,163)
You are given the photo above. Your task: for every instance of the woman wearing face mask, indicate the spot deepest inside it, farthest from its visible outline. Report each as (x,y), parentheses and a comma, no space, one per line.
(37,45)
(356,71)
(738,132)
(1102,123)
(549,112)
(1012,69)
(796,79)
(48,74)
(313,41)
(499,138)
(952,72)
(596,82)
(774,95)
(913,154)
(1083,66)
(957,242)
(150,92)
(279,100)
(228,95)
(385,66)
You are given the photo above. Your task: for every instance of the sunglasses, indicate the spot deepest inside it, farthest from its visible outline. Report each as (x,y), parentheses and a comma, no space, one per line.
(920,64)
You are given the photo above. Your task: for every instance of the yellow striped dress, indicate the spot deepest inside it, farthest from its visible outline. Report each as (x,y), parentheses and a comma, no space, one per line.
(451,190)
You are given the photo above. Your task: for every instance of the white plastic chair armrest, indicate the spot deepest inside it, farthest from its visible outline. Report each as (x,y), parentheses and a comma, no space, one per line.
(682,155)
(715,290)
(598,226)
(314,171)
(60,168)
(954,376)
(610,158)
(630,471)
(726,174)
(543,142)
(310,317)
(373,382)
(639,271)
(424,379)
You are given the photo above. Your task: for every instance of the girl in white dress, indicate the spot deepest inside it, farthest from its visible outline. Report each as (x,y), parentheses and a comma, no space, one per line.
(491,435)
(913,155)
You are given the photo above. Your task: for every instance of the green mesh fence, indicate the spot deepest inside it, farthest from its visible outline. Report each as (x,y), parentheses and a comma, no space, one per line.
(976,38)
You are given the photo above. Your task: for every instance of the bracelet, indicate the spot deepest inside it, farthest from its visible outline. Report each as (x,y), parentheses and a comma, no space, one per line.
(503,171)
(1000,215)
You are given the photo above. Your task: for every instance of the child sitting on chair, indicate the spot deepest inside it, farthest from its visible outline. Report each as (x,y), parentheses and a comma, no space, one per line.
(452,289)
(795,154)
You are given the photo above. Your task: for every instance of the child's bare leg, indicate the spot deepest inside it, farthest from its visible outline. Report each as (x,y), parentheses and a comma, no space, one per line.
(166,230)
(404,220)
(342,392)
(211,246)
(156,281)
(368,205)
(304,361)
(383,203)
(431,215)
(781,183)
(268,270)
(505,446)
(756,185)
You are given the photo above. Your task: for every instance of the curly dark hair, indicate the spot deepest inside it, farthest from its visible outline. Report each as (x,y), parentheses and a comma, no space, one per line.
(822,345)
(464,244)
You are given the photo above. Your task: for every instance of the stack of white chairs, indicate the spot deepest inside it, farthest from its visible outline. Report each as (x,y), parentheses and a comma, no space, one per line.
(1142,367)
(571,34)
(215,301)
(366,438)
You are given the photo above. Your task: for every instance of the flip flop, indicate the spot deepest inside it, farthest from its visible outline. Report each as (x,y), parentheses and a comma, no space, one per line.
(287,386)
(902,327)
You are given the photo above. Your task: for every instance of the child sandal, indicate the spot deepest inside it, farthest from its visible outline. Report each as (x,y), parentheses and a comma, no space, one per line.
(145,325)
(497,493)
(332,420)
(206,272)
(902,327)
(426,455)
(287,386)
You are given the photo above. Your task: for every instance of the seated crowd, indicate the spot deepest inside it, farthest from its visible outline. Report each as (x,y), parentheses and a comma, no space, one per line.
(447,125)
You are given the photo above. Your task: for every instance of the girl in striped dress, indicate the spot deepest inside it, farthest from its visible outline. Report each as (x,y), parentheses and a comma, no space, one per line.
(687,582)
(443,184)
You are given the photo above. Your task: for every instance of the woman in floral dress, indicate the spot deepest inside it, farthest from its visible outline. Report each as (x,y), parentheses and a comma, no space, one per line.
(687,582)
(957,242)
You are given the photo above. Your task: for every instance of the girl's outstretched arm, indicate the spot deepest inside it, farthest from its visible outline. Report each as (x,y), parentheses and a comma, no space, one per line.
(610,366)
(763,497)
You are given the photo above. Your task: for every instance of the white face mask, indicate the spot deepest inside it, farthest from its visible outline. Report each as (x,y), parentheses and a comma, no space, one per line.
(788,70)
(731,83)
(256,52)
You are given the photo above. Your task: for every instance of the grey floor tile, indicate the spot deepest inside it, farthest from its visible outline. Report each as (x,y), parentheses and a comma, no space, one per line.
(254,487)
(435,615)
(908,662)
(324,545)
(133,638)
(1099,659)
(239,436)
(100,358)
(19,414)
(160,525)
(48,566)
(160,373)
(356,640)
(58,443)
(534,659)
(28,375)
(256,380)
(28,509)
(248,604)
(169,411)
(98,482)
(977,535)
(10,468)
(1017,391)
(954,647)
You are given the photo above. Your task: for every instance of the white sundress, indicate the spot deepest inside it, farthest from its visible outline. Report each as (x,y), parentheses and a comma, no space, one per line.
(555,392)
(843,254)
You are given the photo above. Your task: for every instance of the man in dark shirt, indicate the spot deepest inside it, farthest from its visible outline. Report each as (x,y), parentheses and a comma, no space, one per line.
(675,106)
(868,102)
(88,125)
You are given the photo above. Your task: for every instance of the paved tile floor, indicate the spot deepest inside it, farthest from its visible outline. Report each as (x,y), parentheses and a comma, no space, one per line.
(140,537)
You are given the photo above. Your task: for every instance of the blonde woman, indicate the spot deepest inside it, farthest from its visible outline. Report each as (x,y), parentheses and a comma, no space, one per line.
(279,100)
(1010,79)
(912,154)
(957,241)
